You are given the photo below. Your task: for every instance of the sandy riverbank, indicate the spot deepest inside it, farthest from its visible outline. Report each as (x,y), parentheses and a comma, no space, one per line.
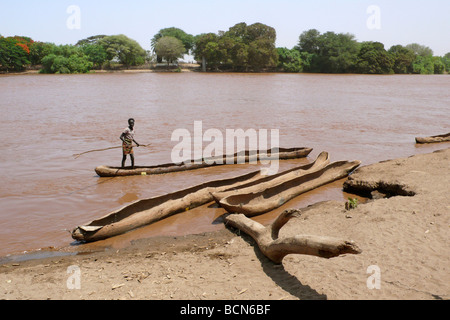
(406,237)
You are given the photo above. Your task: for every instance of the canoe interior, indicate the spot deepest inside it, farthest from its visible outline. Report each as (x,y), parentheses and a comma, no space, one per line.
(244,199)
(145,204)
(286,153)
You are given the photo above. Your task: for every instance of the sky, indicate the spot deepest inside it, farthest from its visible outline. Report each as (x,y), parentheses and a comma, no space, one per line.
(391,22)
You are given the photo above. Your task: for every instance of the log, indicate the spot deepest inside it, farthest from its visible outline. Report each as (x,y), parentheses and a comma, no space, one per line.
(276,248)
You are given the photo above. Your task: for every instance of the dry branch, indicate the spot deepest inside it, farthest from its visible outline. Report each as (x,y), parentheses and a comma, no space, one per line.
(276,248)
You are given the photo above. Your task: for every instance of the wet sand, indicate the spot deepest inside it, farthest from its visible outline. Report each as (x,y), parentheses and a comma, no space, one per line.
(405,237)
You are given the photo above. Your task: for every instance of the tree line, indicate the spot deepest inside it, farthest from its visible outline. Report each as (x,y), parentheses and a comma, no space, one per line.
(243,48)
(97,52)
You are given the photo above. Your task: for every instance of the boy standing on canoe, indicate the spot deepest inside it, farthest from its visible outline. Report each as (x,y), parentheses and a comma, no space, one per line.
(127,138)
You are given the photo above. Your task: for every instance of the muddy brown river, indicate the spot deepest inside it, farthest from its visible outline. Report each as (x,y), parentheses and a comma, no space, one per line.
(46,119)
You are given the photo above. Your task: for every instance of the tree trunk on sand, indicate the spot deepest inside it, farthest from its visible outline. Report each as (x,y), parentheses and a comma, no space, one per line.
(276,248)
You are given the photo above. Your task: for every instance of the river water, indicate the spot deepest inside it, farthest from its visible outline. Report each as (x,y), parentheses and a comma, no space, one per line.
(46,119)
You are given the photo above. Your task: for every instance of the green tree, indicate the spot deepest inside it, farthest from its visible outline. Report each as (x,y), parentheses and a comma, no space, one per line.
(239,32)
(226,55)
(202,52)
(329,52)
(262,54)
(289,60)
(403,59)
(95,53)
(15,53)
(341,51)
(420,50)
(53,63)
(439,65)
(214,50)
(235,52)
(123,49)
(79,64)
(308,60)
(446,61)
(309,41)
(169,48)
(253,46)
(38,50)
(374,59)
(423,65)
(186,39)
(90,40)
(240,48)
(260,31)
(66,59)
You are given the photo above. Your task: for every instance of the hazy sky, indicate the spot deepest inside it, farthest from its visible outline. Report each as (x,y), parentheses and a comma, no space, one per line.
(400,21)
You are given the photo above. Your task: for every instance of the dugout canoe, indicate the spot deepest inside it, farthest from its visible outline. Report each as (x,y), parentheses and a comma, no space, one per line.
(433,139)
(262,184)
(148,211)
(242,157)
(252,204)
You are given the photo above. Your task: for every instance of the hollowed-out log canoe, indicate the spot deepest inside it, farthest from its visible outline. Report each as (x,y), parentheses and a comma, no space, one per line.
(148,211)
(433,139)
(256,203)
(260,185)
(238,158)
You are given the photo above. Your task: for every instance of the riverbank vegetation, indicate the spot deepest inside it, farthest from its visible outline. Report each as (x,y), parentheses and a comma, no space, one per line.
(243,48)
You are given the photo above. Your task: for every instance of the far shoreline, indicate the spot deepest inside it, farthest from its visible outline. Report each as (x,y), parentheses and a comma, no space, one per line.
(138,71)
(196,68)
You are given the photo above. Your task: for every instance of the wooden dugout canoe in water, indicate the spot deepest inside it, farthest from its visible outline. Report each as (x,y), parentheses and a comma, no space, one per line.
(252,204)
(145,212)
(434,139)
(273,154)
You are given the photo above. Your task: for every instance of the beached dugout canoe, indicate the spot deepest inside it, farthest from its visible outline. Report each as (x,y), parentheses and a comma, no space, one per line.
(148,211)
(252,204)
(434,139)
(260,185)
(241,157)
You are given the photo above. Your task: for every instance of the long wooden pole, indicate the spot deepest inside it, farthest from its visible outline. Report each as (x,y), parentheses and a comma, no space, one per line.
(106,149)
